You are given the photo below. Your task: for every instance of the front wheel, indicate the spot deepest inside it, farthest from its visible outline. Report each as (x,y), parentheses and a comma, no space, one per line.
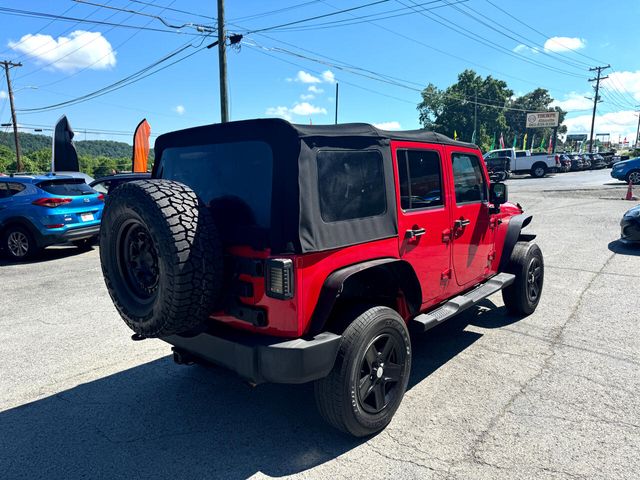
(368,381)
(522,297)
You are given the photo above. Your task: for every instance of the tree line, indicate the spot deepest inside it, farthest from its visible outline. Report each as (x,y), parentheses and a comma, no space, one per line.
(453,111)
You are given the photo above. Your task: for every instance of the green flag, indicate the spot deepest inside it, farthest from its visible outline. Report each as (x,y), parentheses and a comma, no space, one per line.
(493,143)
(542,143)
(515,140)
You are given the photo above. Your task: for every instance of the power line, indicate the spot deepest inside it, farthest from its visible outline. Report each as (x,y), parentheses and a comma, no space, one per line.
(32,14)
(174,9)
(130,79)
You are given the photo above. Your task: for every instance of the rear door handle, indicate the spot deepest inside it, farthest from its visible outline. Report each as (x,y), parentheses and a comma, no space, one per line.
(415,232)
(463,222)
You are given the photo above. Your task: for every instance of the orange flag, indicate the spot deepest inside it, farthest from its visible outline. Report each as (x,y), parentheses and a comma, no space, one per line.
(141,146)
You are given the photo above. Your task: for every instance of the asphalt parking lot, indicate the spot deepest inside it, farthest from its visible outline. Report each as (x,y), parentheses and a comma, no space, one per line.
(551,396)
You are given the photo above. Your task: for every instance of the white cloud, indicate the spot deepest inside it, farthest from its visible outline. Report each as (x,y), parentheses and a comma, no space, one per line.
(393,125)
(279,111)
(328,76)
(3,95)
(625,84)
(574,101)
(618,124)
(521,48)
(316,90)
(80,49)
(303,109)
(564,44)
(309,96)
(179,109)
(306,108)
(305,77)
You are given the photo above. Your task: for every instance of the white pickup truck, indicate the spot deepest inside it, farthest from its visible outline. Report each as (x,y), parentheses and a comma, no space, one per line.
(522,162)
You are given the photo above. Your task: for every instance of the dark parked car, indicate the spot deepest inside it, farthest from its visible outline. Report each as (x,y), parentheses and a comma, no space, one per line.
(586,161)
(108,183)
(597,161)
(577,163)
(630,226)
(565,162)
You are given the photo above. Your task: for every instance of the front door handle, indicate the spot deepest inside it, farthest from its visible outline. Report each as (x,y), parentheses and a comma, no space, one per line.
(415,232)
(462,222)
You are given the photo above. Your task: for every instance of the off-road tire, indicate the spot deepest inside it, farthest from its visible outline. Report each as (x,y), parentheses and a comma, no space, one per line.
(526,260)
(15,233)
(336,395)
(538,170)
(181,252)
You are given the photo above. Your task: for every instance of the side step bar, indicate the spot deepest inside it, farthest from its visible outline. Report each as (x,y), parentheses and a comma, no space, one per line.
(425,321)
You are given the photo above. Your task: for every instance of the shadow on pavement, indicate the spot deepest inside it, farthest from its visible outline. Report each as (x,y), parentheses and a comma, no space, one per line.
(624,249)
(48,255)
(164,421)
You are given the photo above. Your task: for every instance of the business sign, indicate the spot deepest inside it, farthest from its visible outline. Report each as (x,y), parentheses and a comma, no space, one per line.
(580,137)
(542,119)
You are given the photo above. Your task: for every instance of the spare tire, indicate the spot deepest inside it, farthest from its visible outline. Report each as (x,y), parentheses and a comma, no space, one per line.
(161,257)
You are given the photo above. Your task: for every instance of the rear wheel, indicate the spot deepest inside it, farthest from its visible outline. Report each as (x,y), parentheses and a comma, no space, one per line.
(634,177)
(527,264)
(539,170)
(18,243)
(368,381)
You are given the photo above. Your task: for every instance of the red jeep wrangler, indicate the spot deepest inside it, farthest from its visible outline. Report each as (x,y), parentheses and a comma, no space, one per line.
(294,253)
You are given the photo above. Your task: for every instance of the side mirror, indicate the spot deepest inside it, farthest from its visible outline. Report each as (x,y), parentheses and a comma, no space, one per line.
(498,194)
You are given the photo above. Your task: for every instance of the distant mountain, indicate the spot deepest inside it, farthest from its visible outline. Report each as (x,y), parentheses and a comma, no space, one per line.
(92,148)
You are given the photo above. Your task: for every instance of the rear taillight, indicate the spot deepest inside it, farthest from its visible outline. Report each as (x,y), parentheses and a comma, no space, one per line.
(279,277)
(55,225)
(101,197)
(52,202)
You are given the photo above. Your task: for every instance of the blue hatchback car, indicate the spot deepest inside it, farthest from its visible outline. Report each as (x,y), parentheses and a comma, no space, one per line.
(42,210)
(627,170)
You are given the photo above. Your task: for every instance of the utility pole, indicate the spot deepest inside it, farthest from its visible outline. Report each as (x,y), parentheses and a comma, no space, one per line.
(336,122)
(475,118)
(638,129)
(7,66)
(222,62)
(596,99)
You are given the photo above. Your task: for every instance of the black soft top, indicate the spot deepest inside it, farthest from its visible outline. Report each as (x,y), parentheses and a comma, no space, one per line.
(296,221)
(282,130)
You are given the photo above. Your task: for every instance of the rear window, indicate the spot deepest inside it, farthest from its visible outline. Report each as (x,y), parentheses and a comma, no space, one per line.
(72,187)
(233,178)
(350,184)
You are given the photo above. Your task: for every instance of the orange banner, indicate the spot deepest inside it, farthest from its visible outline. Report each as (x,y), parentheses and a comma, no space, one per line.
(141,146)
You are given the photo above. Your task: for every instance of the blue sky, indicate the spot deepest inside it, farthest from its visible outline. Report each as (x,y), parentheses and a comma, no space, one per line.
(291,71)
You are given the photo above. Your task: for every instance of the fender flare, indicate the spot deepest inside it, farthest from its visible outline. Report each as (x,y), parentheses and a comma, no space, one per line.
(23,222)
(516,224)
(334,285)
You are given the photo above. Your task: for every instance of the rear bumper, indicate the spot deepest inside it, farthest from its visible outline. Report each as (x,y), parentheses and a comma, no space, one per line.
(81,233)
(263,359)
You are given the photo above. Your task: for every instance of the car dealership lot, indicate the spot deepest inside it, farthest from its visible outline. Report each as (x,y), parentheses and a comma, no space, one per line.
(551,396)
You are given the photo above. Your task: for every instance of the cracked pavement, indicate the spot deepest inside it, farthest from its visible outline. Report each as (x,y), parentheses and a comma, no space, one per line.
(550,396)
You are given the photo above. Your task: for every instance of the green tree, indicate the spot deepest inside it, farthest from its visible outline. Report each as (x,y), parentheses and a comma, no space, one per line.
(453,109)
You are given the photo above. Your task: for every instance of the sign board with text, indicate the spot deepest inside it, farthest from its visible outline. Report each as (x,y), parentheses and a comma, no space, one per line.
(542,119)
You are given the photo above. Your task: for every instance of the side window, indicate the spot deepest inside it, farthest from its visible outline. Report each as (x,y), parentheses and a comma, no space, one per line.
(420,179)
(15,188)
(470,185)
(102,187)
(351,184)
(8,189)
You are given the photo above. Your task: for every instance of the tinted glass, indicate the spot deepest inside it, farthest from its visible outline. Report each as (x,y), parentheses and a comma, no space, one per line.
(70,187)
(521,154)
(467,176)
(4,190)
(350,184)
(232,178)
(420,179)
(101,187)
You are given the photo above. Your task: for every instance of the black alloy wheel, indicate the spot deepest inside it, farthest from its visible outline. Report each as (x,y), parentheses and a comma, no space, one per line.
(381,370)
(534,280)
(138,260)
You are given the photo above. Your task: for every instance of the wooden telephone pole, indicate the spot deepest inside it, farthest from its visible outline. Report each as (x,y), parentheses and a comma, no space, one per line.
(596,99)
(222,63)
(7,65)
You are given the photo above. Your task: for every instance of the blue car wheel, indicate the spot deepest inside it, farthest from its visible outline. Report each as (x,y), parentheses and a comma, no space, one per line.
(18,243)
